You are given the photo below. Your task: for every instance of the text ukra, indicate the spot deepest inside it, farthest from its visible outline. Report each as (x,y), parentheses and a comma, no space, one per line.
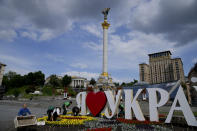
(107,102)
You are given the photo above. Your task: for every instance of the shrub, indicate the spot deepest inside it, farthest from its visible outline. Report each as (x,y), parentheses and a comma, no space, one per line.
(77,86)
(71,92)
(30,89)
(16,92)
(47,90)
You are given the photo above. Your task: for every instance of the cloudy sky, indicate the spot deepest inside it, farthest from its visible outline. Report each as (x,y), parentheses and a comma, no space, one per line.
(65,36)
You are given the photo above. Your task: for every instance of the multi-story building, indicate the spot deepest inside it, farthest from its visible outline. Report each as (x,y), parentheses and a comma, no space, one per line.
(162,68)
(2,69)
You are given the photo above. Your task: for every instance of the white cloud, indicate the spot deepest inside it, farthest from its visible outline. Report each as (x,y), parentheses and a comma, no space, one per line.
(174,19)
(46,34)
(93,29)
(79,65)
(127,54)
(14,60)
(144,7)
(55,58)
(8,35)
(49,19)
(18,70)
(93,46)
(30,35)
(16,64)
(194,60)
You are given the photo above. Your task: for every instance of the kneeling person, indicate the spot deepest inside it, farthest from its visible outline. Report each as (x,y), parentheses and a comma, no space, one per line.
(56,113)
(50,113)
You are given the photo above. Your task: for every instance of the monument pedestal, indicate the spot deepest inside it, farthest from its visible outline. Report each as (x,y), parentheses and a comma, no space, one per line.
(105,82)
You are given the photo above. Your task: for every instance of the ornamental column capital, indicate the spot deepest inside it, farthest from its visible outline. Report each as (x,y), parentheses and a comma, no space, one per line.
(105,25)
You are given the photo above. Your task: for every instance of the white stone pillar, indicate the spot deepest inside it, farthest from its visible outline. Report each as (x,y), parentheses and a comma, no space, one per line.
(78,82)
(105,48)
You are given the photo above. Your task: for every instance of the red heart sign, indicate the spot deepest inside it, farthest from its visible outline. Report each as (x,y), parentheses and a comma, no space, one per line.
(96,102)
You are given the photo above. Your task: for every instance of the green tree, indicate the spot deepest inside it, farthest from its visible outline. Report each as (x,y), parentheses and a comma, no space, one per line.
(116,84)
(6,79)
(12,80)
(123,84)
(39,78)
(17,81)
(35,78)
(135,81)
(10,74)
(132,82)
(92,81)
(66,80)
(5,82)
(54,81)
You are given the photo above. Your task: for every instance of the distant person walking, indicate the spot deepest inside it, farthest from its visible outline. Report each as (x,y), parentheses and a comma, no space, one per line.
(65,94)
(24,111)
(144,94)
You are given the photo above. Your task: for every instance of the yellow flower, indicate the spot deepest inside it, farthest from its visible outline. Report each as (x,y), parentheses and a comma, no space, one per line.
(68,120)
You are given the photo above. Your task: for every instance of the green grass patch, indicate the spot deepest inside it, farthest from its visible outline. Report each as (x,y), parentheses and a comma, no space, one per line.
(16,91)
(20,91)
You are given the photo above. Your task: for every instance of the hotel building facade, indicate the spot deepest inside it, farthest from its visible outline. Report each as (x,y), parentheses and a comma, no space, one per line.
(2,69)
(161,68)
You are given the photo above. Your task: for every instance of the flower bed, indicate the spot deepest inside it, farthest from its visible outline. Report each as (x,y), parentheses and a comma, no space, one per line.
(67,120)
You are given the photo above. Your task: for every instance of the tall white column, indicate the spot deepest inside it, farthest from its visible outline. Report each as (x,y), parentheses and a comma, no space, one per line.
(105,26)
(105,48)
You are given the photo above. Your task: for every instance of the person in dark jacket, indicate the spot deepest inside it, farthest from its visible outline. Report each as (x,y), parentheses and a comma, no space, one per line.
(75,110)
(24,111)
(56,113)
(50,112)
